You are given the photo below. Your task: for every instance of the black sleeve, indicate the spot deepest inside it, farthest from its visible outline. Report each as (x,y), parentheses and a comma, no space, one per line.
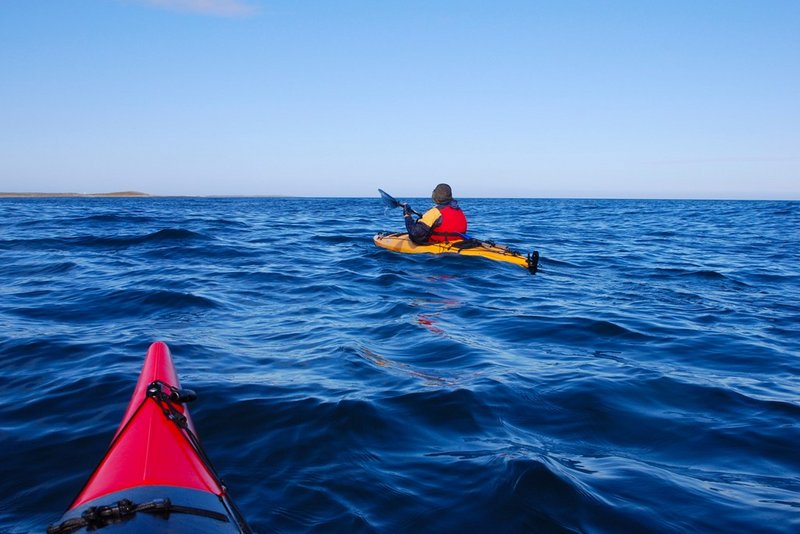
(419,232)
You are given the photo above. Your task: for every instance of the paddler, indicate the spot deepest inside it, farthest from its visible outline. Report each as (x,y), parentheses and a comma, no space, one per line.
(444,222)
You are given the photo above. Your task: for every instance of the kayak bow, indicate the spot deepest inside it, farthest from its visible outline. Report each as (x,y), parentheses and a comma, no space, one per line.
(467,247)
(155,475)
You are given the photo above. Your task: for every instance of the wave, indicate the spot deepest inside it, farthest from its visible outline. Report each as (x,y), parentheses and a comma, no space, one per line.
(96,241)
(37,269)
(707,275)
(114,304)
(117,218)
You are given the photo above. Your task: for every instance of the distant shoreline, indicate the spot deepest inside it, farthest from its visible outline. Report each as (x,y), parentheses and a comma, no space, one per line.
(45,195)
(126,194)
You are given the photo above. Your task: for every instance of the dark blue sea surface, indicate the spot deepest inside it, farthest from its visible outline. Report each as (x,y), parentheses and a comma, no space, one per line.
(647,379)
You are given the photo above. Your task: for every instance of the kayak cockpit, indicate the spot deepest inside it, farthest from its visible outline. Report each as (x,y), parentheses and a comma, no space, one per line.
(151,509)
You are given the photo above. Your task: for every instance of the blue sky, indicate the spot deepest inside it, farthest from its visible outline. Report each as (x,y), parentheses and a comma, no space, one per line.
(565,98)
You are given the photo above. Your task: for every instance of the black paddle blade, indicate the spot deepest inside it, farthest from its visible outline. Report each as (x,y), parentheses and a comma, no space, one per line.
(533,261)
(388,199)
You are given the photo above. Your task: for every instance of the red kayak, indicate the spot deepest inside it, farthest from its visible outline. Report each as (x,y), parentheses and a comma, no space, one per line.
(155,476)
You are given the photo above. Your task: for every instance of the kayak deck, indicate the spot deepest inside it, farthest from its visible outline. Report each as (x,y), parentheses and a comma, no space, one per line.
(148,449)
(401,242)
(155,475)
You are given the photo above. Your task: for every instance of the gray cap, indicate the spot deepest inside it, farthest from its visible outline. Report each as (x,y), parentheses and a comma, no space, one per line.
(442,194)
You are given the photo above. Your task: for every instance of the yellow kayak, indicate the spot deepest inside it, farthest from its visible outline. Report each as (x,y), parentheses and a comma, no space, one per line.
(468,247)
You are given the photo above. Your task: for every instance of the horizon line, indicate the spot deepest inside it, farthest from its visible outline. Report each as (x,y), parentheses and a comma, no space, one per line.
(141,195)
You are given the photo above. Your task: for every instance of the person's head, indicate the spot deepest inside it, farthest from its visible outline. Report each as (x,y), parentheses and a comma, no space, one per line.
(442,194)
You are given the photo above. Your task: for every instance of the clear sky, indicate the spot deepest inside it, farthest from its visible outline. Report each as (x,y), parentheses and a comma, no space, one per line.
(564,98)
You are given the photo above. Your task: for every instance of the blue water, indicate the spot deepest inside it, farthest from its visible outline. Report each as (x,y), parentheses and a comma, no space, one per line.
(647,379)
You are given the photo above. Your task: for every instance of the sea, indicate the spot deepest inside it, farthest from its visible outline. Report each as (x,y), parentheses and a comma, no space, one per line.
(646,379)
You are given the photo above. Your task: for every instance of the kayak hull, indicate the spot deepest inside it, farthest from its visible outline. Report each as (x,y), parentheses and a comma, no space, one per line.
(155,475)
(401,242)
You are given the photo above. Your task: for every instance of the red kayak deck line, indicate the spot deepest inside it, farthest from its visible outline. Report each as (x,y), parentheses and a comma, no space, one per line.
(148,449)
